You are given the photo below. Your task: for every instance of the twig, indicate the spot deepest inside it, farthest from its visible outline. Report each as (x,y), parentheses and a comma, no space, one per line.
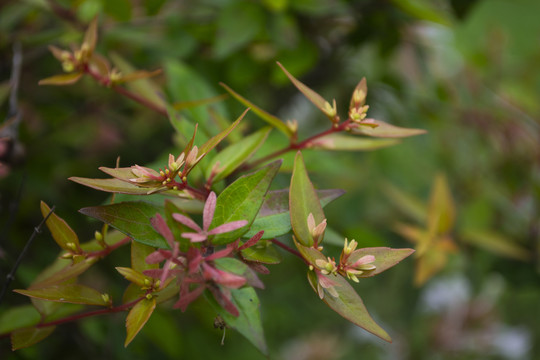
(11,276)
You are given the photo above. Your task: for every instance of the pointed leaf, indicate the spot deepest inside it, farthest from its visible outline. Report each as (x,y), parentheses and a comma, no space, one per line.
(236,154)
(131,218)
(134,276)
(340,142)
(139,252)
(269,118)
(406,203)
(349,305)
(68,293)
(362,86)
(263,252)
(385,130)
(137,75)
(66,273)
(303,201)
(213,142)
(62,79)
(90,37)
(181,105)
(112,186)
(30,336)
(385,258)
(18,317)
(137,317)
(442,212)
(242,200)
(64,236)
(312,96)
(248,323)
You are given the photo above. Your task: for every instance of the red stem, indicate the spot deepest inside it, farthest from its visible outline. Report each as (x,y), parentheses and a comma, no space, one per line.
(105,81)
(111,310)
(288,248)
(109,249)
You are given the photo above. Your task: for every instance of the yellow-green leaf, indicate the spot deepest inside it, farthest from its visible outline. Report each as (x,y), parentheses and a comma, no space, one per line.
(29,336)
(62,79)
(137,317)
(67,293)
(62,233)
(341,142)
(496,243)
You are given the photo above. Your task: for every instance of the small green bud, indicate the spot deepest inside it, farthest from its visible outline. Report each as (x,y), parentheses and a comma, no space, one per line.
(98,236)
(149,296)
(106,298)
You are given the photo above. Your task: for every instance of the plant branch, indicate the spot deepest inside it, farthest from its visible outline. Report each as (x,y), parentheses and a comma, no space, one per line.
(105,81)
(71,318)
(110,248)
(11,276)
(287,248)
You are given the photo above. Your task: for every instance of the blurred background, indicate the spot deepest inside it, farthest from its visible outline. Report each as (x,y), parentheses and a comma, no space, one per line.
(468,71)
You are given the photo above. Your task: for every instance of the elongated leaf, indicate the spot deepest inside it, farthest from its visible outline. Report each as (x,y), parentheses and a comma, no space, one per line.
(302,202)
(312,96)
(30,336)
(349,305)
(213,142)
(340,142)
(62,79)
(139,252)
(236,154)
(263,252)
(385,258)
(68,293)
(137,317)
(137,75)
(248,323)
(385,130)
(131,218)
(64,236)
(242,200)
(111,185)
(18,317)
(68,272)
(269,118)
(181,105)
(496,243)
(442,212)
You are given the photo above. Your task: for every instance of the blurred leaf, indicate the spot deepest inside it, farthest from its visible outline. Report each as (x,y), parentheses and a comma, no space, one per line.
(412,233)
(441,211)
(274,217)
(144,87)
(131,218)
(152,7)
(269,118)
(118,9)
(340,142)
(385,130)
(423,10)
(385,258)
(137,75)
(62,233)
(69,293)
(27,337)
(406,203)
(248,323)
(496,243)
(18,317)
(181,105)
(137,317)
(63,79)
(91,35)
(111,185)
(303,200)
(236,154)
(242,200)
(430,263)
(238,24)
(349,305)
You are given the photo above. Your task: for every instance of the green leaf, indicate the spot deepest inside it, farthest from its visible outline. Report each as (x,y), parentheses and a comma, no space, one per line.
(27,337)
(134,276)
(137,317)
(269,118)
(406,203)
(385,258)
(349,305)
(496,243)
(312,96)
(340,142)
(263,252)
(111,185)
(139,252)
(303,200)
(118,9)
(385,130)
(241,201)
(236,154)
(64,236)
(213,142)
(131,218)
(441,211)
(63,79)
(18,317)
(68,272)
(274,217)
(237,24)
(68,293)
(248,323)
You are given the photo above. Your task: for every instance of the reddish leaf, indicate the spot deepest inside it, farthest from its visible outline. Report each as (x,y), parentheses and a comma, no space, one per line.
(378,128)
(385,258)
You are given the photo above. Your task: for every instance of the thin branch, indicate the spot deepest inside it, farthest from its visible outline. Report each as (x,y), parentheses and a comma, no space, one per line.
(11,276)
(288,248)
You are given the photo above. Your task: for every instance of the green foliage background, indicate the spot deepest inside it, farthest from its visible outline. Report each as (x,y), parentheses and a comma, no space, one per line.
(467,71)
